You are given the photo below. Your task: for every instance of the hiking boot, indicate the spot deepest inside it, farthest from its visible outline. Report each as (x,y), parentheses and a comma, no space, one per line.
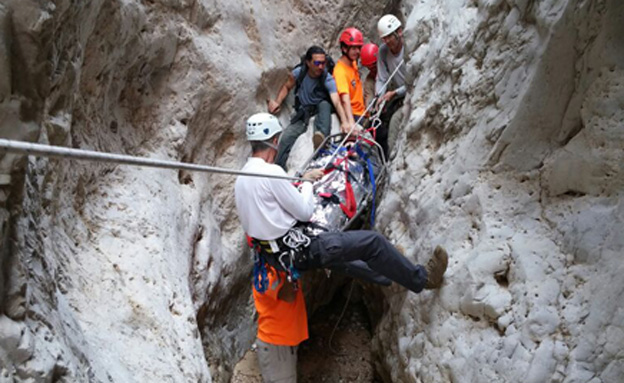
(317,139)
(435,268)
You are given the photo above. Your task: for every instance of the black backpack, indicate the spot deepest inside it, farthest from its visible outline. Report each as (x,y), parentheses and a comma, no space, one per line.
(320,85)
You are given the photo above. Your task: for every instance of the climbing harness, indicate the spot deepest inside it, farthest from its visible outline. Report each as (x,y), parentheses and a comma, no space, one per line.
(286,254)
(295,239)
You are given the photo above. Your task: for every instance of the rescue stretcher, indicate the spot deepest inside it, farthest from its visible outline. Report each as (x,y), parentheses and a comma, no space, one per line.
(347,191)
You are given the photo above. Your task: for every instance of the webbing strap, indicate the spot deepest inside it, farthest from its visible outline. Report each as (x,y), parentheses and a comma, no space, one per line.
(280,259)
(260,274)
(261,278)
(371,175)
(350,206)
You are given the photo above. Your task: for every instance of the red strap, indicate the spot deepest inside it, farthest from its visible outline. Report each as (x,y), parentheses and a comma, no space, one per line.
(374,132)
(249,241)
(369,141)
(350,206)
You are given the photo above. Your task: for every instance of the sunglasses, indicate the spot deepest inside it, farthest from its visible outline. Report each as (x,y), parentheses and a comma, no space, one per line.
(319,63)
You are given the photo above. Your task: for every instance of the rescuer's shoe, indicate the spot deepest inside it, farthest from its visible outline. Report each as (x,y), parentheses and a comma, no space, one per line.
(317,139)
(436,268)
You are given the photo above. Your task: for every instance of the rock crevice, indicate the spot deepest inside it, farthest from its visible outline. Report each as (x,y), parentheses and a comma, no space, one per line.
(509,156)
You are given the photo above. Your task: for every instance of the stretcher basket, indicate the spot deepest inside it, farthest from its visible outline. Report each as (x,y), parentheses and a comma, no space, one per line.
(347,192)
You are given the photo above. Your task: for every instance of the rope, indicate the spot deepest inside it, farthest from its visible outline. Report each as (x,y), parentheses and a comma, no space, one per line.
(371,175)
(376,120)
(373,101)
(344,309)
(261,278)
(41,150)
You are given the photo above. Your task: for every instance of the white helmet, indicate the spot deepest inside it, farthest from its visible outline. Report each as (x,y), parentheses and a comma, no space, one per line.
(387,25)
(262,126)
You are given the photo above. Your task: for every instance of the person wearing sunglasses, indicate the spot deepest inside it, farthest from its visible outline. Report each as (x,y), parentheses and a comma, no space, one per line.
(315,95)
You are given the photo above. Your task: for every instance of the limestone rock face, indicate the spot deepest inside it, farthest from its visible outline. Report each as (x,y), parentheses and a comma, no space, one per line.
(510,156)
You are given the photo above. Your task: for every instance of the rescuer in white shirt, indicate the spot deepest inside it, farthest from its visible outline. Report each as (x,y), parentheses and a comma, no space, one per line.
(269,208)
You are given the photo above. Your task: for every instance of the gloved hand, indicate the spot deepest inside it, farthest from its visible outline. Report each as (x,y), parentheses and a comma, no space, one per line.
(313,175)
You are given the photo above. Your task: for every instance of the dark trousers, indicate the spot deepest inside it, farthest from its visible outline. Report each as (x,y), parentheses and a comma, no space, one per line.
(343,250)
(360,270)
(364,122)
(298,126)
(381,135)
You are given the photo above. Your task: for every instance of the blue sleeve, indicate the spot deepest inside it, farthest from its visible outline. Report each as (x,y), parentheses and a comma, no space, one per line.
(401,91)
(330,84)
(295,72)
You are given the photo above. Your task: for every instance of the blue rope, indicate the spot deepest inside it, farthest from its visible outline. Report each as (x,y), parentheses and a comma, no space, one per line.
(261,278)
(371,175)
(294,273)
(372,178)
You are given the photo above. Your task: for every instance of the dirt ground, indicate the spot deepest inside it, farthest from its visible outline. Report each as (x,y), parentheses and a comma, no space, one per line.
(347,359)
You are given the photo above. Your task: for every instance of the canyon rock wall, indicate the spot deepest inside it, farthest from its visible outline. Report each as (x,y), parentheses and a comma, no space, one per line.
(510,156)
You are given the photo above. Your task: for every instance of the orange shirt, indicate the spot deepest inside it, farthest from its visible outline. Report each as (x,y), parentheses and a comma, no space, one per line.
(279,322)
(348,82)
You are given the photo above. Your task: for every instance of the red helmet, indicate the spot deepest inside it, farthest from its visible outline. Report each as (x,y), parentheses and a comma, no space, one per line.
(369,54)
(352,37)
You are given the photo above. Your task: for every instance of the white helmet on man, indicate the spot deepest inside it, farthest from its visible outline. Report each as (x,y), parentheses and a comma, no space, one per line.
(387,25)
(262,126)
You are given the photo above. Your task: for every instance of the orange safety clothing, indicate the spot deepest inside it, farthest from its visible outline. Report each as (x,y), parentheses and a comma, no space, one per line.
(348,82)
(279,322)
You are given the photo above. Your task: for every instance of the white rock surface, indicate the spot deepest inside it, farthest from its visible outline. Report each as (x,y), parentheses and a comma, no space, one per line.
(511,157)
(126,274)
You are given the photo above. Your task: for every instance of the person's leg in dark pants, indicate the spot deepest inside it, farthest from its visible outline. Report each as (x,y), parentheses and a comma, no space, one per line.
(331,249)
(323,118)
(359,269)
(381,136)
(383,132)
(290,135)
(363,121)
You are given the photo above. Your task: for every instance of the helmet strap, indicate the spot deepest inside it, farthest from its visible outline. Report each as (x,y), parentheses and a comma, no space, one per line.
(270,141)
(270,145)
(344,49)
